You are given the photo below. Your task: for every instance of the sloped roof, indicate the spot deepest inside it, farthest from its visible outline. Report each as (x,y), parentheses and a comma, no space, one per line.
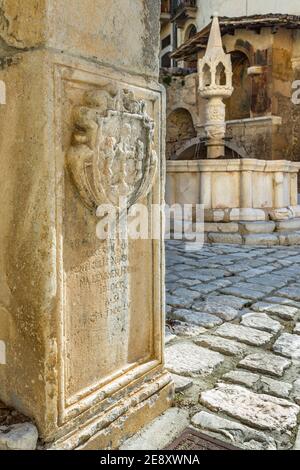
(229,25)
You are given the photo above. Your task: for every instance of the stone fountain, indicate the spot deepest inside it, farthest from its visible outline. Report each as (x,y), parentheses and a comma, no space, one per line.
(245,200)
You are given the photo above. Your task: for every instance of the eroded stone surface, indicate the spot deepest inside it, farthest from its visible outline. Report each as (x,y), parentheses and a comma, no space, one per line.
(244,334)
(236,432)
(266,363)
(288,345)
(258,410)
(189,360)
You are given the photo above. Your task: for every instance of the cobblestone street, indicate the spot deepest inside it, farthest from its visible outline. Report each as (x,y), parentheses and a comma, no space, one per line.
(233,342)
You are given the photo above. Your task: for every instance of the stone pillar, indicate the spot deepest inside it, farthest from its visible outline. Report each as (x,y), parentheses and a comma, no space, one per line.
(215,84)
(246,190)
(294,188)
(206,189)
(81,318)
(278,190)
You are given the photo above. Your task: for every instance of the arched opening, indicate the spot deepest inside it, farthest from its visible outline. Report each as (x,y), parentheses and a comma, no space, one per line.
(220,75)
(166,61)
(238,106)
(190,32)
(180,129)
(207,75)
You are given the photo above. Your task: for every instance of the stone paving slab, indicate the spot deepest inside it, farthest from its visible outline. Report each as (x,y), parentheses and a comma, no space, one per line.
(266,363)
(259,383)
(225,312)
(181,383)
(297,329)
(186,329)
(190,360)
(196,318)
(244,292)
(235,432)
(160,433)
(283,301)
(230,300)
(244,334)
(288,345)
(221,345)
(282,311)
(261,321)
(263,411)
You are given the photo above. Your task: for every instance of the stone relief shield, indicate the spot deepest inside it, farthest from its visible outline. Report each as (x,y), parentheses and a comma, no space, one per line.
(112,155)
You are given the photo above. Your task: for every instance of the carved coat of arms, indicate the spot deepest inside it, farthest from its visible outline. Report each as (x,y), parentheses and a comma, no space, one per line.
(112,155)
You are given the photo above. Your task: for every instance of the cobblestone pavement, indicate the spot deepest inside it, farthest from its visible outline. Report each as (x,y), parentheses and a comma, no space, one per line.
(233,341)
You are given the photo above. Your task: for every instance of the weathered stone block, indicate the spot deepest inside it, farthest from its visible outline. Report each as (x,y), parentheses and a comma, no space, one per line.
(287,225)
(81,316)
(256,227)
(234,238)
(266,239)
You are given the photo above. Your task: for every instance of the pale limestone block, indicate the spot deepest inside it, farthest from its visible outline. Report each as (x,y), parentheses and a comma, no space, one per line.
(256,227)
(225,190)
(288,225)
(281,214)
